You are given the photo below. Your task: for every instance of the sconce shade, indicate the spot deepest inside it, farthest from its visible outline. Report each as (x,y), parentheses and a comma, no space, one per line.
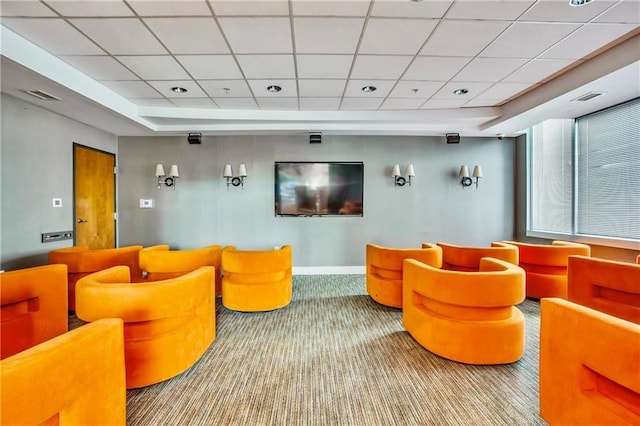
(227,171)
(396,171)
(242,170)
(410,171)
(159,170)
(464,171)
(477,172)
(173,171)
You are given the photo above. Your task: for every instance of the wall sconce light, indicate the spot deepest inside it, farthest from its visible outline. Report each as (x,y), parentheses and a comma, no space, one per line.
(465,180)
(400,180)
(168,180)
(235,180)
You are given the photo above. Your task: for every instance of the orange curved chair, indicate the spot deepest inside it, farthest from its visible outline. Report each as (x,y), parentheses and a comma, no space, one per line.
(168,324)
(76,378)
(638,259)
(384,270)
(81,261)
(546,266)
(467,317)
(160,263)
(467,258)
(258,280)
(605,285)
(589,366)
(34,307)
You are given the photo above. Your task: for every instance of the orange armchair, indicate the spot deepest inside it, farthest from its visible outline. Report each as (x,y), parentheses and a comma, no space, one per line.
(589,366)
(546,266)
(81,261)
(168,324)
(384,270)
(467,317)
(256,281)
(160,263)
(34,307)
(76,378)
(465,258)
(605,285)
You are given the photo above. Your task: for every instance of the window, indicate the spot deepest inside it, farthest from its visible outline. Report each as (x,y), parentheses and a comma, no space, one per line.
(584,175)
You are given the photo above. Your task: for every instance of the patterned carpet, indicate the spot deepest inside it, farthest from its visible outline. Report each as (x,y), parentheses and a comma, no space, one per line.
(335,357)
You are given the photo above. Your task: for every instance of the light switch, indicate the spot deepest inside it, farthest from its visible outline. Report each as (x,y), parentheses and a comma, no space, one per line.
(56,202)
(146,203)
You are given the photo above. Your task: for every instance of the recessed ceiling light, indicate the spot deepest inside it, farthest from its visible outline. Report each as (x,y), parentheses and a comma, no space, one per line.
(369,89)
(576,3)
(179,89)
(273,88)
(416,1)
(461,91)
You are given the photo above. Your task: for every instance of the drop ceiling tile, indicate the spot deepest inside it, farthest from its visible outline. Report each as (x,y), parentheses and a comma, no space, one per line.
(258,35)
(154,67)
(489,69)
(586,40)
(358,104)
(415,89)
(132,89)
(395,36)
(236,103)
(321,88)
(503,91)
(562,11)
(54,35)
(210,66)
(462,38)
(402,103)
(446,92)
(188,35)
(120,36)
(324,66)
(330,8)
(94,8)
(379,67)
(410,9)
(194,103)
(527,40)
(327,35)
(627,11)
(259,88)
(434,68)
(278,103)
(164,87)
(496,10)
(100,67)
(319,104)
(267,66)
(24,8)
(536,70)
(152,102)
(443,103)
(218,88)
(170,7)
(383,87)
(252,8)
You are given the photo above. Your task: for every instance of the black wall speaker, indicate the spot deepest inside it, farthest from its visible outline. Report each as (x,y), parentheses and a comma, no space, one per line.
(453,137)
(315,137)
(194,138)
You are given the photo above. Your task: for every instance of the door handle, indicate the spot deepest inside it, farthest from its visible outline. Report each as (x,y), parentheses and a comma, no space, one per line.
(81,221)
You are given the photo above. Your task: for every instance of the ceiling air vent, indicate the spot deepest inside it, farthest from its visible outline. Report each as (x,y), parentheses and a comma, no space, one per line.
(587,96)
(41,94)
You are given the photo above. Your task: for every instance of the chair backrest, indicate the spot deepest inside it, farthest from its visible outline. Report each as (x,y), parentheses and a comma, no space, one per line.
(256,265)
(467,258)
(34,307)
(387,262)
(554,255)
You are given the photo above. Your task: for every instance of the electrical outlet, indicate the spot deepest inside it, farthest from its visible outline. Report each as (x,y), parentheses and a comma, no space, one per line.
(146,203)
(56,202)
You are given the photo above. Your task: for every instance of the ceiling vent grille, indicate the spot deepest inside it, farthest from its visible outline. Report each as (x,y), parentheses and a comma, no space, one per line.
(41,94)
(587,96)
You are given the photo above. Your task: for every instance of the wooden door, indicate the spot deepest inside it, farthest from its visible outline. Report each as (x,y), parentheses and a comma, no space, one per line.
(94,197)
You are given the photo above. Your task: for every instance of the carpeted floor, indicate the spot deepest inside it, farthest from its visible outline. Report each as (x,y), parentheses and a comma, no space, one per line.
(335,357)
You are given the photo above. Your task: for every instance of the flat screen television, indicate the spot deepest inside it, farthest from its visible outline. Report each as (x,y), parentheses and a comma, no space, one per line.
(319,188)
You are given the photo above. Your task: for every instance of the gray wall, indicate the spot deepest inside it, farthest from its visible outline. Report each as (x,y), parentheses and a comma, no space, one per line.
(202,211)
(36,147)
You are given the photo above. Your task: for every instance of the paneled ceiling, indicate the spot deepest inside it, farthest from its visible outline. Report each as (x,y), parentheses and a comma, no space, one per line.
(113,63)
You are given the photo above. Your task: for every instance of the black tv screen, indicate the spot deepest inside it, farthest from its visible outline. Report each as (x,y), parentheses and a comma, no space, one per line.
(319,188)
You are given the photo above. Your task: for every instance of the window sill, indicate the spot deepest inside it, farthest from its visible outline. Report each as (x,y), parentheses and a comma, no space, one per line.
(587,239)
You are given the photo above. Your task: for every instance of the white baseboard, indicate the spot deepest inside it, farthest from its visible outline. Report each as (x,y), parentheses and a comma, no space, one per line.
(329,270)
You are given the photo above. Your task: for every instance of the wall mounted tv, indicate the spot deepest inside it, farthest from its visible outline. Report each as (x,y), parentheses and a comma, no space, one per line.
(319,188)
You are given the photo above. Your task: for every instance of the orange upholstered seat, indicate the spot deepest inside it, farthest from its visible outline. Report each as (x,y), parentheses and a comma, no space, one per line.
(76,378)
(589,366)
(384,270)
(34,307)
(467,317)
(467,258)
(159,263)
(546,266)
(605,285)
(168,324)
(257,280)
(80,261)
